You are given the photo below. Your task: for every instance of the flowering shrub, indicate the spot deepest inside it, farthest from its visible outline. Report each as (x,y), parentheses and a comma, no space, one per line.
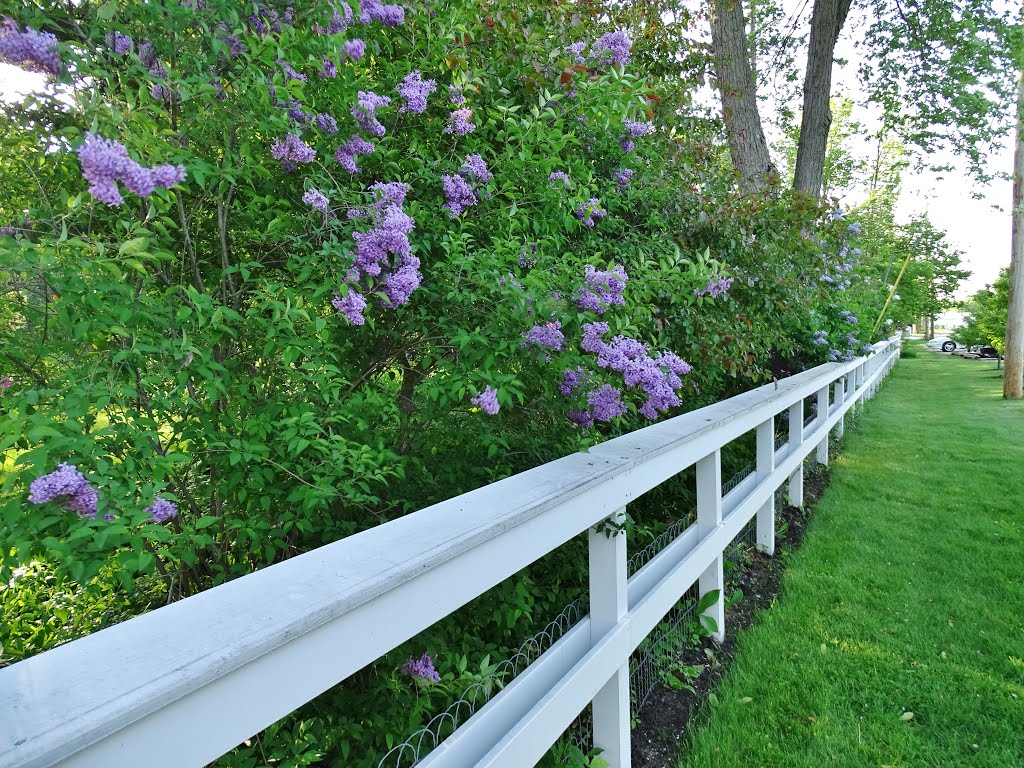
(373,256)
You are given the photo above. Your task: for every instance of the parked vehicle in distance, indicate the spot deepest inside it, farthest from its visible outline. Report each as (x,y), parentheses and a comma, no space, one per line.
(943,343)
(982,353)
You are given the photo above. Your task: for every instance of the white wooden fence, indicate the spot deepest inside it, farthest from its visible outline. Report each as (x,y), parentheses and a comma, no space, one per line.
(180,686)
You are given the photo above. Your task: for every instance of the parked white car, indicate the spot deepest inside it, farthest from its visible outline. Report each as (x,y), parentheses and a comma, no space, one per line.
(943,343)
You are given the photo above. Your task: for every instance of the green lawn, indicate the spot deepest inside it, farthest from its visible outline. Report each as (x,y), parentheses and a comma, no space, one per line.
(906,597)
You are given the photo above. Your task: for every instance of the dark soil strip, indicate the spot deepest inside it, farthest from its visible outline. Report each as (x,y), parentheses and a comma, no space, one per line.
(661,727)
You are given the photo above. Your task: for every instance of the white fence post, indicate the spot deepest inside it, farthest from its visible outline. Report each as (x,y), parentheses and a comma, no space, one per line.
(765,467)
(796,439)
(709,517)
(608,604)
(840,399)
(822,452)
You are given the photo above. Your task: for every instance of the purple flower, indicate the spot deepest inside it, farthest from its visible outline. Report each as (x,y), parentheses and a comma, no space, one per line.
(68,485)
(422,668)
(575,52)
(338,23)
(854,228)
(35,51)
(581,418)
(548,335)
(414,91)
(162,510)
(326,123)
(9,231)
(400,284)
(355,49)
(386,246)
(329,69)
(573,380)
(602,289)
(848,316)
(119,43)
(606,403)
(365,112)
(488,401)
(820,338)
(637,129)
(291,73)
(234,45)
(298,114)
(458,195)
(587,213)
(476,168)
(6,383)
(715,287)
(375,10)
(292,152)
(559,176)
(459,124)
(612,48)
(627,144)
(455,95)
(346,154)
(105,162)
(351,306)
(622,177)
(316,199)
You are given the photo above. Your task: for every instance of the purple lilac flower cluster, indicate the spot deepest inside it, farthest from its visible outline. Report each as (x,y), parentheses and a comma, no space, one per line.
(612,48)
(290,72)
(351,305)
(375,10)
(326,123)
(292,151)
(33,50)
(622,177)
(6,383)
(9,231)
(854,228)
(658,376)
(459,123)
(575,53)
(414,91)
(487,401)
(459,194)
(67,485)
(587,213)
(347,153)
(548,336)
(637,129)
(715,287)
(848,316)
(384,252)
(328,69)
(316,199)
(602,289)
(605,403)
(820,338)
(456,96)
(162,510)
(120,43)
(422,668)
(365,112)
(340,19)
(561,176)
(266,20)
(355,49)
(106,162)
(573,380)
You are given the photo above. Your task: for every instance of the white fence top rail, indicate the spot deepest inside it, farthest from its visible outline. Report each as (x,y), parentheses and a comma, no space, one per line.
(223,664)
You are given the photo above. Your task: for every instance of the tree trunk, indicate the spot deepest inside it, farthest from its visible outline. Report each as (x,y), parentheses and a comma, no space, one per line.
(1013,374)
(737,87)
(826,21)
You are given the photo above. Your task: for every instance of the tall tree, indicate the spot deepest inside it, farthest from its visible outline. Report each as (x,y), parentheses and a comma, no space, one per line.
(1013,378)
(738,89)
(826,22)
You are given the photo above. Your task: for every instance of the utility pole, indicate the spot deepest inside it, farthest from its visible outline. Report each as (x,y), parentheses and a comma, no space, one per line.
(1013,374)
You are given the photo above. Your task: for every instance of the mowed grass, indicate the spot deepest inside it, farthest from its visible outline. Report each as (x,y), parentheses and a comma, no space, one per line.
(906,597)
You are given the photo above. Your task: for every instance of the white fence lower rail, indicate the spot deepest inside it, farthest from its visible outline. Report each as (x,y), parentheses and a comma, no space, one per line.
(182,685)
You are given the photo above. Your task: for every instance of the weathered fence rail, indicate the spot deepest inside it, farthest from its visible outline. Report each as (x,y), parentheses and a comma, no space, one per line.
(182,685)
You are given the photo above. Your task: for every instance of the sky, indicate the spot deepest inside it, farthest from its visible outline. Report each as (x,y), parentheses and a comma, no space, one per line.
(977,227)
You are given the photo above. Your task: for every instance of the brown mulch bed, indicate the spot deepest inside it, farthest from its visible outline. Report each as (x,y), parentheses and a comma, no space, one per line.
(658,736)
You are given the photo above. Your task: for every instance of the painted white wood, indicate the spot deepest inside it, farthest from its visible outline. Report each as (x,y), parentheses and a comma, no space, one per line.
(608,604)
(709,518)
(765,467)
(222,665)
(796,439)
(822,452)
